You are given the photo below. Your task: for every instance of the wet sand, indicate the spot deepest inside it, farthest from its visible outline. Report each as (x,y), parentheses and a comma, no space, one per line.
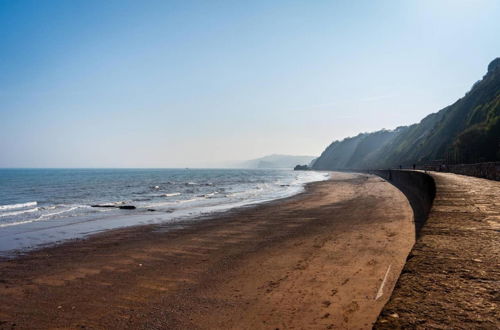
(326,258)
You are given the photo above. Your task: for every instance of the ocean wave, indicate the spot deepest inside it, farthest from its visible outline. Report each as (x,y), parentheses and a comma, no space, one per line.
(110,204)
(2,225)
(241,193)
(43,216)
(17,206)
(56,213)
(171,194)
(175,202)
(9,214)
(47,207)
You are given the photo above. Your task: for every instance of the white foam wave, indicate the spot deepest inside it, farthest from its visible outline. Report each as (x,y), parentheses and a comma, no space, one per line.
(172,194)
(17,223)
(17,206)
(8,214)
(56,213)
(36,219)
(172,203)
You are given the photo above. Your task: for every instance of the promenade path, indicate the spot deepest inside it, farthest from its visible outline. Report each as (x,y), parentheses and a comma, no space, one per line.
(452,277)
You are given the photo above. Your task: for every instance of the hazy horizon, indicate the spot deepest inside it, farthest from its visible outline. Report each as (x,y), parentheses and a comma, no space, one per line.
(226,164)
(157,84)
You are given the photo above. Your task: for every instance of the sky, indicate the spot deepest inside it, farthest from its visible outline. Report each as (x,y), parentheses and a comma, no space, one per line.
(122,83)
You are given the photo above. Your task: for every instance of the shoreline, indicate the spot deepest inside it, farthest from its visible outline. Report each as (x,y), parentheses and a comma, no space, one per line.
(19,240)
(326,257)
(179,223)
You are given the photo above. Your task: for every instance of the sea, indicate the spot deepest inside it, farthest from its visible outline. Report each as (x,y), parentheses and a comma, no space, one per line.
(41,207)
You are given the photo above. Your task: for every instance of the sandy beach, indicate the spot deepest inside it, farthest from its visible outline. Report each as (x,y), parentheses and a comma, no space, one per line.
(326,258)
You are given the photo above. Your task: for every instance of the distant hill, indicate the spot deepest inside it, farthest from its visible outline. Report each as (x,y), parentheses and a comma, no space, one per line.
(276,161)
(467,131)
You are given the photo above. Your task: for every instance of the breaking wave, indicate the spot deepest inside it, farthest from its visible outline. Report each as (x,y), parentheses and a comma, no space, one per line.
(17,206)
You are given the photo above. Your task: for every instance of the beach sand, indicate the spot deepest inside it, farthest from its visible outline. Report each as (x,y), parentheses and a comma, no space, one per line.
(326,258)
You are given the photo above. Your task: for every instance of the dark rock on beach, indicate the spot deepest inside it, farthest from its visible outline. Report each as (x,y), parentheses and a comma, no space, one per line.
(127,207)
(301,168)
(123,207)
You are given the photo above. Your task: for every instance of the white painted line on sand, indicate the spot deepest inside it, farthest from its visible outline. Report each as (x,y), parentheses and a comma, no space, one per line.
(381,289)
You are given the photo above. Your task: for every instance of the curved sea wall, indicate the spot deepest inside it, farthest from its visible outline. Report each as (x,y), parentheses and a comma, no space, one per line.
(418,187)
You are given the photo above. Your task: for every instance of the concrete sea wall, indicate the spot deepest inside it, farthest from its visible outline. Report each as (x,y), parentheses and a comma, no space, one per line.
(418,187)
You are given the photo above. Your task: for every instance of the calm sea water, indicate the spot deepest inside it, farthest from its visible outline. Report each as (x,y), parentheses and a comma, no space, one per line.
(44,206)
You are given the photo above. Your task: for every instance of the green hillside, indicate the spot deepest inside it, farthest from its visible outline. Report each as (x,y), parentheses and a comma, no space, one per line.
(467,131)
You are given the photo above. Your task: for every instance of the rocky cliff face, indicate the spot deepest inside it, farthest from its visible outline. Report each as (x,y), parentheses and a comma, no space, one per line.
(464,132)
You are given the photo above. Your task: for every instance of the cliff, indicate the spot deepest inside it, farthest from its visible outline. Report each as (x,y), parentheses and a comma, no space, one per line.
(465,132)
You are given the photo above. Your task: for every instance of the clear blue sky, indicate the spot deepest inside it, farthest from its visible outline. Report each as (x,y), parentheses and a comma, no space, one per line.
(192,83)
